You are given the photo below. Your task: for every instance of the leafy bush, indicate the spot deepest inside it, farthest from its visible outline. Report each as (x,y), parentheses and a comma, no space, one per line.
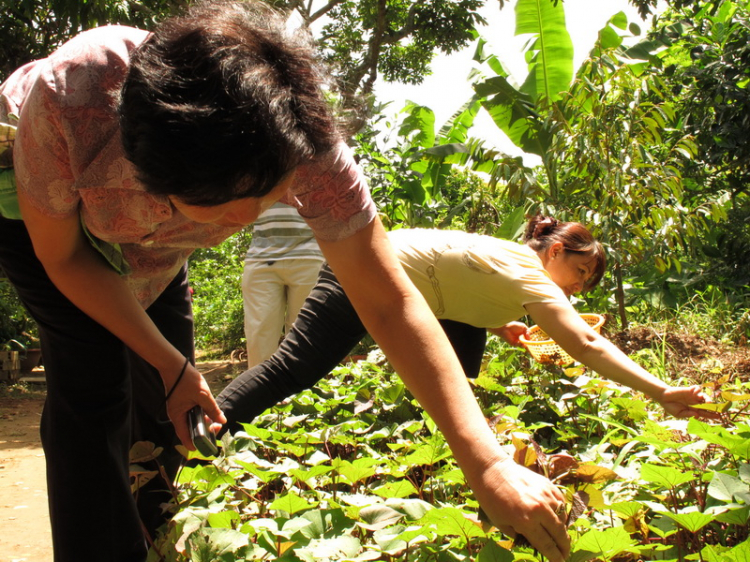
(354,470)
(216,279)
(16,325)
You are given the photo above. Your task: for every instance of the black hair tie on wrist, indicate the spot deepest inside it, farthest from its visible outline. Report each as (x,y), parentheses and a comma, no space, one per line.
(179,378)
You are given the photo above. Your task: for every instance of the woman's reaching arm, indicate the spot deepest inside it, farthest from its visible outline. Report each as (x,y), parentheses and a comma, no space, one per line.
(563,324)
(398,318)
(88,282)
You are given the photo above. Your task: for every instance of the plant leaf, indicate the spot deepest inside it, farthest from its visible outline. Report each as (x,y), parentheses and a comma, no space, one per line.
(664,476)
(452,521)
(398,489)
(606,544)
(550,52)
(376,517)
(492,552)
(338,548)
(725,487)
(291,503)
(514,113)
(693,521)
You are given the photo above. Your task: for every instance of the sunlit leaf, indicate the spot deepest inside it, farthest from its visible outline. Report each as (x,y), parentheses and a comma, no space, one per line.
(377,517)
(452,521)
(550,52)
(419,125)
(720,436)
(740,553)
(357,470)
(738,516)
(607,543)
(713,553)
(627,509)
(291,503)
(665,476)
(328,522)
(714,406)
(213,544)
(595,474)
(337,548)
(693,521)
(726,488)
(492,552)
(223,519)
(388,540)
(398,489)
(414,509)
(514,113)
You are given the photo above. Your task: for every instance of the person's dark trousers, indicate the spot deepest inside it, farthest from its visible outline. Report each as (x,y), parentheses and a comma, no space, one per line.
(324,333)
(469,343)
(96,389)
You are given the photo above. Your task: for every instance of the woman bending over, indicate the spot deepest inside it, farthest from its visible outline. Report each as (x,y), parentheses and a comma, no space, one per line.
(473,284)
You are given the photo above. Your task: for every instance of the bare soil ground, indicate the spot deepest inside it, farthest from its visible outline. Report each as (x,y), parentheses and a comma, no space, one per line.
(700,360)
(25,535)
(25,532)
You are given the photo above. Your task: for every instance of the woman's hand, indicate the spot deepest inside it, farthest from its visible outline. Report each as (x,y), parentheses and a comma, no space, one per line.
(521,502)
(511,332)
(678,402)
(191,390)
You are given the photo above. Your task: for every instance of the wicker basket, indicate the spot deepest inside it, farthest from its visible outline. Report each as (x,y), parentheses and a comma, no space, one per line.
(545,350)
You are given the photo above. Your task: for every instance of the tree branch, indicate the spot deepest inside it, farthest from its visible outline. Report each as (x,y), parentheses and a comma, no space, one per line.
(322,11)
(369,65)
(407,29)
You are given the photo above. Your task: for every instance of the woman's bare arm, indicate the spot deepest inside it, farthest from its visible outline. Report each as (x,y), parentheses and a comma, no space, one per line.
(563,324)
(398,318)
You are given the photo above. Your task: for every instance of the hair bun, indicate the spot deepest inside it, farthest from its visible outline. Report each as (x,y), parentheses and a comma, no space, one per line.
(543,226)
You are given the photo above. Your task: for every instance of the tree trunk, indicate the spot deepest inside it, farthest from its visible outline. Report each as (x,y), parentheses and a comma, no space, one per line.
(620,293)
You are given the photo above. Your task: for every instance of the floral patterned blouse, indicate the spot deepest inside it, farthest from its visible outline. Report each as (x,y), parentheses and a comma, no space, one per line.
(68,159)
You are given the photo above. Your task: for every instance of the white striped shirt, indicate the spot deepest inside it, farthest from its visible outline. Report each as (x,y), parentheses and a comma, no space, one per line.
(280,233)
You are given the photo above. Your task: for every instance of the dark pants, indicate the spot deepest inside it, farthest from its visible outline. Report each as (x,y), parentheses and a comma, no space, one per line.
(101,398)
(324,333)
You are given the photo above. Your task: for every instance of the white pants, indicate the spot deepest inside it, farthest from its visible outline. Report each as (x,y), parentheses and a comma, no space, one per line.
(272,295)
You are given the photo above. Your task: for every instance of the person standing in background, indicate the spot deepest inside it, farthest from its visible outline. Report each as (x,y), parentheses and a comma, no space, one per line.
(281,268)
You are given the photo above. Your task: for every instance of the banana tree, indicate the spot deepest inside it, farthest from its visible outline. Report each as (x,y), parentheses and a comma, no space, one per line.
(605,157)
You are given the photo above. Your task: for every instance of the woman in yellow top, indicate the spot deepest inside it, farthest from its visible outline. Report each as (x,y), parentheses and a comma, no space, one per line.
(473,284)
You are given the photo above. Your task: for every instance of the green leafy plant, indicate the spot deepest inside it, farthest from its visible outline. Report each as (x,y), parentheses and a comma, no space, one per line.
(216,279)
(353,470)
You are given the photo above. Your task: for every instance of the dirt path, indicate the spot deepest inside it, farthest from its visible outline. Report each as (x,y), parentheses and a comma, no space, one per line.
(25,535)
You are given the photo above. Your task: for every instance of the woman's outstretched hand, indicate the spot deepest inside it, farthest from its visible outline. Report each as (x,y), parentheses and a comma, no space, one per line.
(521,502)
(679,402)
(511,332)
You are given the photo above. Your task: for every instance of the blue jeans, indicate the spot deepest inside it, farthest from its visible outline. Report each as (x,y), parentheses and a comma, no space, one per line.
(326,330)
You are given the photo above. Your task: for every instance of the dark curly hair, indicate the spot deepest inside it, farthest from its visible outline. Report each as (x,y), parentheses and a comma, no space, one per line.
(542,232)
(221,102)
